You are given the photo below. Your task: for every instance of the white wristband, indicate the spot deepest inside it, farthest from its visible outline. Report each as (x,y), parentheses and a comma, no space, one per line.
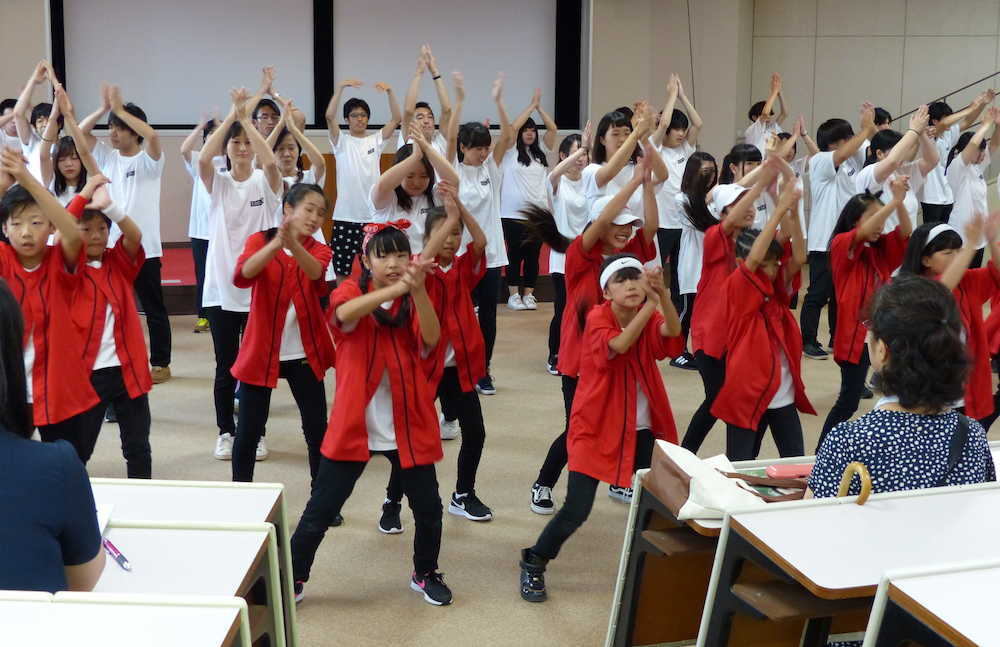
(115,213)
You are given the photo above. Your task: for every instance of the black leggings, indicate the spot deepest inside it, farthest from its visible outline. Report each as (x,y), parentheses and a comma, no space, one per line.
(819,294)
(470,419)
(936,212)
(485,296)
(226,327)
(786,428)
(669,243)
(555,459)
(334,484)
(521,249)
(149,288)
(852,385)
(580,494)
(255,405)
(199,250)
(555,326)
(713,375)
(686,311)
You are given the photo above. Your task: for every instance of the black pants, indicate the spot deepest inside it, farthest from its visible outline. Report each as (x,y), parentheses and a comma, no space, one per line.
(470,419)
(255,405)
(485,296)
(521,250)
(786,428)
(852,385)
(988,421)
(334,484)
(819,294)
(936,212)
(977,259)
(686,312)
(557,456)
(713,375)
(133,421)
(199,250)
(555,326)
(226,327)
(669,242)
(149,289)
(580,494)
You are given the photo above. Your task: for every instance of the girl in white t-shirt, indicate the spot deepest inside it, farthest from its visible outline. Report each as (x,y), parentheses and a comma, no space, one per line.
(406,190)
(63,171)
(479,190)
(243,202)
(525,167)
(199,228)
(614,154)
(966,169)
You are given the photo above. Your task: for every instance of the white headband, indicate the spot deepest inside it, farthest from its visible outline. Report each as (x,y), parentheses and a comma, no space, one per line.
(937,230)
(619,264)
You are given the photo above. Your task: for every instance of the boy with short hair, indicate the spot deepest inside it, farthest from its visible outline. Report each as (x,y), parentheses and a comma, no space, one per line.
(763,122)
(30,122)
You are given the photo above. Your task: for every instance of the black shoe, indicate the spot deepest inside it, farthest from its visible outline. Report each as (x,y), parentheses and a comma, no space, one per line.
(110,415)
(623,494)
(485,386)
(432,585)
(551,364)
(299,591)
(532,576)
(390,523)
(469,506)
(338,520)
(685,360)
(867,394)
(814,351)
(541,499)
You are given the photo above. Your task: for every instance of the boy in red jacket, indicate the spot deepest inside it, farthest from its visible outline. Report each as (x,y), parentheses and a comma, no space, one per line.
(621,406)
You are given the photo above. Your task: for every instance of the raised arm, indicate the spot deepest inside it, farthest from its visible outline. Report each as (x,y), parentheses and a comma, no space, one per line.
(765,113)
(971,151)
(49,138)
(212,148)
(929,155)
(394,175)
(758,251)
(410,100)
(96,191)
(621,157)
(874,225)
(453,215)
(22,109)
(695,122)
(898,153)
(69,120)
(994,140)
(88,123)
(520,120)
(259,259)
(190,143)
(430,326)
(12,163)
(267,76)
(551,130)
(560,169)
(953,274)
(445,171)
(592,234)
(621,343)
(651,214)
(671,326)
(507,132)
(331,108)
(668,109)
(316,159)
(984,99)
(451,135)
(767,172)
(264,155)
(395,115)
(141,128)
(866,131)
(442,89)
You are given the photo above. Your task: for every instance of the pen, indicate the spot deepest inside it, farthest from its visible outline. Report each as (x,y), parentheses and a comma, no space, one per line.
(116,555)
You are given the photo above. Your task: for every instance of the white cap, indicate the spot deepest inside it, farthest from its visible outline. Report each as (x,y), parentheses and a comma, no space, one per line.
(724,195)
(625,217)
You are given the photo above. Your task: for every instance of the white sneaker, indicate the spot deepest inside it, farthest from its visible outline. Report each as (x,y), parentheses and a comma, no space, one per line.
(449,428)
(530,302)
(515,303)
(224,447)
(262,452)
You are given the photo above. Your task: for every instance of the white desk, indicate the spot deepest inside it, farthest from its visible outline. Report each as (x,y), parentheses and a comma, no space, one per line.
(56,622)
(207,502)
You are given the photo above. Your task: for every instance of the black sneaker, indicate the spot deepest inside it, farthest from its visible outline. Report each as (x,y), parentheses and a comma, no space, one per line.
(551,364)
(338,520)
(532,576)
(814,351)
(469,506)
(541,499)
(623,494)
(432,585)
(390,523)
(299,589)
(485,385)
(685,360)
(867,394)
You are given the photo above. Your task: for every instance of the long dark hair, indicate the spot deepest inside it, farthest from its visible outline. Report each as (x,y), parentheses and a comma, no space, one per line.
(614,119)
(695,185)
(235,130)
(918,247)
(65,148)
(298,159)
(472,134)
(541,226)
(739,154)
(388,241)
(960,145)
(534,152)
(403,199)
(15,415)
(883,140)
(852,212)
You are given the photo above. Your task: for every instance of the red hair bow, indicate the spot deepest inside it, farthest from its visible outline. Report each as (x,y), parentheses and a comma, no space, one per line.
(373,228)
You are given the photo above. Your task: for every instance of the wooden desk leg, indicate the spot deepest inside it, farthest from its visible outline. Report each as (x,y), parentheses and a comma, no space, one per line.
(899,626)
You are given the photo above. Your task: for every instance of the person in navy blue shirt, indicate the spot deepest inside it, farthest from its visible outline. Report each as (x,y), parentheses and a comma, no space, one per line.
(50,538)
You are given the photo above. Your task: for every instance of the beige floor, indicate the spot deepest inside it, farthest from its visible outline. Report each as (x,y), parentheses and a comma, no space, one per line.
(359,588)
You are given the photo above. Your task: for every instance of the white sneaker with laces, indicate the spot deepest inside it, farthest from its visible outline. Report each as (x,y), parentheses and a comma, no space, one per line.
(262,452)
(449,428)
(530,302)
(224,447)
(515,303)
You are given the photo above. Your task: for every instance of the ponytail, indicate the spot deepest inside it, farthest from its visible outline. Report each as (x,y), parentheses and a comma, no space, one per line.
(541,226)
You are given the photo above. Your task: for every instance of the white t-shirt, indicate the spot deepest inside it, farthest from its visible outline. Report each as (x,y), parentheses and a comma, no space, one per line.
(357,171)
(479,191)
(29,351)
(676,160)
(785,395)
(692,250)
(9,141)
(198,224)
(642,418)
(759,132)
(416,215)
(830,188)
(571,211)
(291,337)
(937,189)
(614,185)
(522,185)
(968,188)
(308,177)
(378,413)
(449,352)
(107,354)
(866,182)
(135,187)
(438,142)
(32,151)
(238,210)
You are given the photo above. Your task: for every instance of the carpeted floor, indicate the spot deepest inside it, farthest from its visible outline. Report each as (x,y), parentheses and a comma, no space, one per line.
(359,593)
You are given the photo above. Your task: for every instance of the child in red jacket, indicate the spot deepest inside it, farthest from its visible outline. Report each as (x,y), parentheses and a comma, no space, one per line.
(286,334)
(384,326)
(460,357)
(621,404)
(763,386)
